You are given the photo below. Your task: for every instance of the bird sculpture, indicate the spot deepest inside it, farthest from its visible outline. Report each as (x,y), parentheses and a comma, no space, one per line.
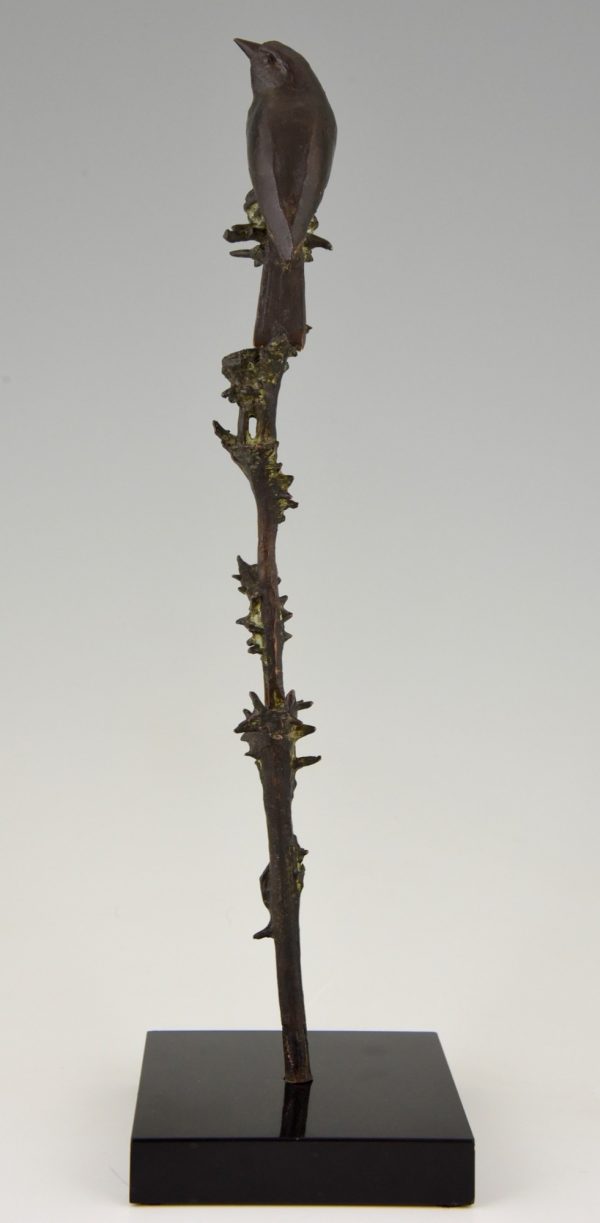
(291,133)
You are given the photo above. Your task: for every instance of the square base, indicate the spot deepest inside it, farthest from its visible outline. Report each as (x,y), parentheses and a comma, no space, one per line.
(381,1125)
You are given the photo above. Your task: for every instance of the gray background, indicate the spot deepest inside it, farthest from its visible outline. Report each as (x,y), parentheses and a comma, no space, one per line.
(442,425)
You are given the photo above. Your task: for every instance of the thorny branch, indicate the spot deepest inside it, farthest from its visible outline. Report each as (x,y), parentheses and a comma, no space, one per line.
(272,727)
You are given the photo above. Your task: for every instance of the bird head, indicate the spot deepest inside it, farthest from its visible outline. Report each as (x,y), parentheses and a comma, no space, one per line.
(272,64)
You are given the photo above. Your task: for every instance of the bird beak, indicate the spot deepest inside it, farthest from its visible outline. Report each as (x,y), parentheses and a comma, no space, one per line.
(249,48)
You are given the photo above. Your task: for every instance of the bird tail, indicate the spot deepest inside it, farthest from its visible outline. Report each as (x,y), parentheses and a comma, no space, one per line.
(281,304)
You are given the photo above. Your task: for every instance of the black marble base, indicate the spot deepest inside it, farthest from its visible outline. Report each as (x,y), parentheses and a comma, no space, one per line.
(382,1123)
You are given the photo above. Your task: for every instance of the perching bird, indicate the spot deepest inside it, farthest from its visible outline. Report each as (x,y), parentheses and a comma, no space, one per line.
(291,134)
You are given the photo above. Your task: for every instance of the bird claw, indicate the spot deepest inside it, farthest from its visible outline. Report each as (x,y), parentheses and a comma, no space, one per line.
(256,253)
(238,233)
(255,230)
(314,240)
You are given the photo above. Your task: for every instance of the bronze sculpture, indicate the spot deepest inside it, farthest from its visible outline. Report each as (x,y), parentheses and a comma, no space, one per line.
(291,140)
(386,1125)
(291,133)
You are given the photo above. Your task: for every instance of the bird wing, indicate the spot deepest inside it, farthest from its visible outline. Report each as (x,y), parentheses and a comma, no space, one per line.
(261,161)
(318,165)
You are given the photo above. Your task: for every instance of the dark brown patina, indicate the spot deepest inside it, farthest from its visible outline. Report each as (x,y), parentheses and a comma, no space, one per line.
(272,727)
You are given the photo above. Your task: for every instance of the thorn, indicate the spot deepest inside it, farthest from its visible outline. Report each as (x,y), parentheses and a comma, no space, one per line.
(301,762)
(306,730)
(298,730)
(246,622)
(266,933)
